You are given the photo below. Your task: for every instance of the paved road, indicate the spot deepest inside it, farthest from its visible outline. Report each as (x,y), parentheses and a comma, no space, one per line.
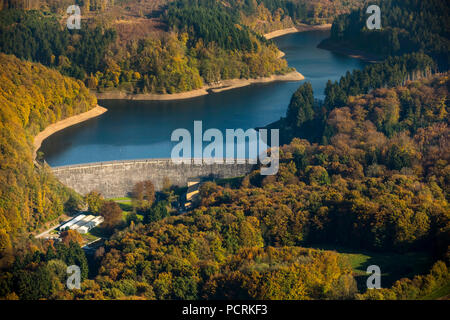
(43,234)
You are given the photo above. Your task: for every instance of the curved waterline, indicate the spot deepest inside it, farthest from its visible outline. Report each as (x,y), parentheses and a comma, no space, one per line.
(142,129)
(63,124)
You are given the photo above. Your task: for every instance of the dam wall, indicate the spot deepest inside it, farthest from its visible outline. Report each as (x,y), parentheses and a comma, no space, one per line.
(116,178)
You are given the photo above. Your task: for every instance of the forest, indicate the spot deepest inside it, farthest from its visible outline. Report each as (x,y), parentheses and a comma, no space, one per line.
(204,41)
(32,97)
(366,169)
(364,189)
(174,62)
(406,26)
(38,37)
(367,187)
(305,115)
(264,16)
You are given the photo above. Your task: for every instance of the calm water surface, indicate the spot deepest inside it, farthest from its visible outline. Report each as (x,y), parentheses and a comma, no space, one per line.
(142,129)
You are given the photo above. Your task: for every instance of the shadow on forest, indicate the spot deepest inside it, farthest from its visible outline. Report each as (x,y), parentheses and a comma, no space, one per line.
(394,266)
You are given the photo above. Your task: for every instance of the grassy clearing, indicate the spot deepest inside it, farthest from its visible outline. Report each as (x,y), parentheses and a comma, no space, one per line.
(441,293)
(394,266)
(125,203)
(121,199)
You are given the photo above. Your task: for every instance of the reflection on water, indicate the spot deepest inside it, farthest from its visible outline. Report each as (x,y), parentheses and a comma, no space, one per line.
(142,129)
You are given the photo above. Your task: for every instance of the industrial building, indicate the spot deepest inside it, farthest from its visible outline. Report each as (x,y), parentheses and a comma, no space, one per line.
(82,223)
(71,222)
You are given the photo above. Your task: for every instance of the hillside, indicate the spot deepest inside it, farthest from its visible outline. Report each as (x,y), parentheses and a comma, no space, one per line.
(407,26)
(379,184)
(363,179)
(32,97)
(161,47)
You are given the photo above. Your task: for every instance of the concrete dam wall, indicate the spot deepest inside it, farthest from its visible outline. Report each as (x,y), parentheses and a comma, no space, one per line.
(117,178)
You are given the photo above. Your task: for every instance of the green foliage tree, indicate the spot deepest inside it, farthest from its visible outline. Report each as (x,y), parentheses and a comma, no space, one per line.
(157,212)
(301,107)
(94,201)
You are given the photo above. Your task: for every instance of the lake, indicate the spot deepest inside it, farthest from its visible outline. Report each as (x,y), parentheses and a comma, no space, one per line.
(142,129)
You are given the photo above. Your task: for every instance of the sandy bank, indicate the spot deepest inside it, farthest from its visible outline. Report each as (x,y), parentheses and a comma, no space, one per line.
(121,95)
(222,85)
(281,54)
(279,33)
(346,50)
(298,28)
(218,87)
(238,83)
(306,27)
(55,127)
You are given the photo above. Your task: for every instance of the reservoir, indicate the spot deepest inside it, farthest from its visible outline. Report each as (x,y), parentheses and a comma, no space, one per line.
(142,129)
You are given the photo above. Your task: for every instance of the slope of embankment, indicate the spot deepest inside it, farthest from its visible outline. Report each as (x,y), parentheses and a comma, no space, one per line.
(32,97)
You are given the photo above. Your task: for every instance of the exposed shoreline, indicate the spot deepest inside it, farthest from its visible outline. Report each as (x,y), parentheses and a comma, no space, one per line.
(348,51)
(296,29)
(238,83)
(326,44)
(223,85)
(65,123)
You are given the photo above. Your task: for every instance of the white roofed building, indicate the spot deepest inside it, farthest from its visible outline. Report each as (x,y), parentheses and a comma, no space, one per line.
(82,223)
(72,222)
(83,229)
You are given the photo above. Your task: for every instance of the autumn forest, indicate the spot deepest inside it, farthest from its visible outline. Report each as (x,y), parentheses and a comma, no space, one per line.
(364,172)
